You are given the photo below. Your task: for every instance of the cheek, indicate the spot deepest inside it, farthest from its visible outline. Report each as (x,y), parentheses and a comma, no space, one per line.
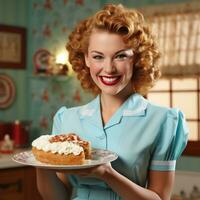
(94,68)
(126,69)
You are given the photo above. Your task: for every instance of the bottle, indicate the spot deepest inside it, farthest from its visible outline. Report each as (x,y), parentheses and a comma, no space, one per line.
(16,133)
(21,133)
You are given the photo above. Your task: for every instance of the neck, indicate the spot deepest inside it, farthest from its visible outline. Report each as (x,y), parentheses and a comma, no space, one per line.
(110,103)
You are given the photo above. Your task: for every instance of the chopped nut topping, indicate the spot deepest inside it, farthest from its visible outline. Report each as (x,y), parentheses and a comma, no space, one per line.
(72,137)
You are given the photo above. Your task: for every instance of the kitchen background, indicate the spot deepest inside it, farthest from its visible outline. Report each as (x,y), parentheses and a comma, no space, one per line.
(38,97)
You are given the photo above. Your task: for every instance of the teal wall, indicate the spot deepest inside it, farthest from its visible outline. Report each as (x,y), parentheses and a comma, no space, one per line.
(30,102)
(15,12)
(188,163)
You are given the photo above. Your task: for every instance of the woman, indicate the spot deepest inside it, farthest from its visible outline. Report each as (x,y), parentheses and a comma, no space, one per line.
(115,56)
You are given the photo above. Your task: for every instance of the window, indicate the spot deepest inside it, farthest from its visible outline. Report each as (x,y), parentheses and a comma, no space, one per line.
(185,95)
(177,29)
(178,37)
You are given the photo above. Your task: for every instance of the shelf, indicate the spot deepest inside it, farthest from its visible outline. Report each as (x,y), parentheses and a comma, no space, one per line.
(51,77)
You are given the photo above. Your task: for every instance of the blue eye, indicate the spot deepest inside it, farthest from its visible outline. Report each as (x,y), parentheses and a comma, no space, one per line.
(97,57)
(121,56)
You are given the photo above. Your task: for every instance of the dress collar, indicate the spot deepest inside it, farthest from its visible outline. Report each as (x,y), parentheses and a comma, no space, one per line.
(135,105)
(92,112)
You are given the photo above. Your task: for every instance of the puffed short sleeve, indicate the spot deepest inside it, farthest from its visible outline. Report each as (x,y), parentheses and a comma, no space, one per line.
(171,141)
(57,120)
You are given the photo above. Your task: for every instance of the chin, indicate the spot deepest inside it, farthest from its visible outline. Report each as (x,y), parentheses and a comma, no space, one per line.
(111,92)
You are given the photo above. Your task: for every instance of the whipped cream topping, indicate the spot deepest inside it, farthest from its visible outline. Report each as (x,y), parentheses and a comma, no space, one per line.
(66,147)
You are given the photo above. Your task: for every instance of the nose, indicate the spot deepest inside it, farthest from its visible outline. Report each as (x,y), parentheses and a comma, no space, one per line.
(109,66)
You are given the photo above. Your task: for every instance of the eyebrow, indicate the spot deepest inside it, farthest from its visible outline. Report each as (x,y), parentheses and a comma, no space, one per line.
(120,51)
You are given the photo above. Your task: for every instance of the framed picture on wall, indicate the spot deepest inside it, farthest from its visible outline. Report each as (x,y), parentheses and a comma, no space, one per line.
(12,47)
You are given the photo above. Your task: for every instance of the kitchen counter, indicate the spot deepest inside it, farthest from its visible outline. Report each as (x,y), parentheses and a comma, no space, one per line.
(6,159)
(17,181)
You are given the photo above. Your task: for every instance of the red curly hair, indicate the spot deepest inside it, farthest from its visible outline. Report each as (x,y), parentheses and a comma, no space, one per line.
(136,33)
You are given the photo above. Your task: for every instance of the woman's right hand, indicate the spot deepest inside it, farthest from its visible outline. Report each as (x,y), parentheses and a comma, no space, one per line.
(96,171)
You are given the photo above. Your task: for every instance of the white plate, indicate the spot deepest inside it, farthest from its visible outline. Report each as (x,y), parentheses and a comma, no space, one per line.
(99,156)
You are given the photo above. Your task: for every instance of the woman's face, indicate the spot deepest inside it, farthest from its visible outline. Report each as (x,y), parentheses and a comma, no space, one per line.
(110,62)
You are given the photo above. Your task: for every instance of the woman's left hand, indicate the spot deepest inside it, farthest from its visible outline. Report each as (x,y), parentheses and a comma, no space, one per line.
(97,171)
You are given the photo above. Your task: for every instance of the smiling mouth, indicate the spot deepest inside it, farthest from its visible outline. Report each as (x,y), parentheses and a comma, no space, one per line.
(108,80)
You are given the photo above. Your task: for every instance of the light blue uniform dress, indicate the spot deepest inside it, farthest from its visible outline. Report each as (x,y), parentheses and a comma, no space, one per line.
(145,137)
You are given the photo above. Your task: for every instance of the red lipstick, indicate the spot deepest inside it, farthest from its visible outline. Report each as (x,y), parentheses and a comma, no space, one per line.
(109,81)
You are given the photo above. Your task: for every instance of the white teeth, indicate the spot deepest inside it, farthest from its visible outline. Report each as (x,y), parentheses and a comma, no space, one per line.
(109,79)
